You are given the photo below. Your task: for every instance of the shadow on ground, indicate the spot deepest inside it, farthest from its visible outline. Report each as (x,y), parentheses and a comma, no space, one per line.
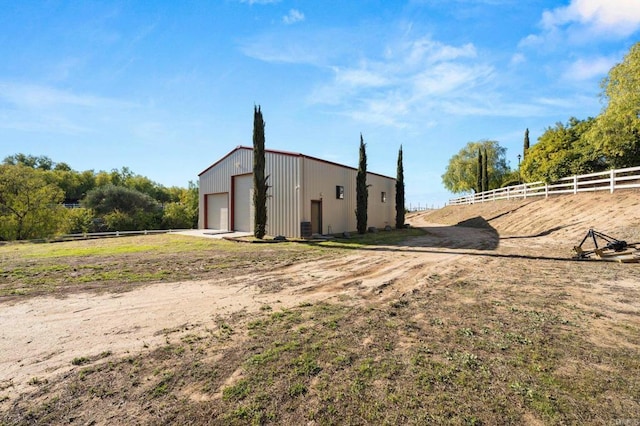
(471,237)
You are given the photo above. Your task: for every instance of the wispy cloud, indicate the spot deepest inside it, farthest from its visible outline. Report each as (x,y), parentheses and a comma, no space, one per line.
(35,96)
(252,2)
(411,75)
(293,16)
(36,108)
(583,21)
(298,48)
(410,79)
(52,123)
(517,59)
(586,69)
(620,17)
(471,2)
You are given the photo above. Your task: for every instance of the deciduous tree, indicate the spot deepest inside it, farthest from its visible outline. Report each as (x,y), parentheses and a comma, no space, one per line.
(562,151)
(109,198)
(29,205)
(461,173)
(616,131)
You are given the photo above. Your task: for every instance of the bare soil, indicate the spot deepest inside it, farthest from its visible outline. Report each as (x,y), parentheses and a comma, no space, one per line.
(500,250)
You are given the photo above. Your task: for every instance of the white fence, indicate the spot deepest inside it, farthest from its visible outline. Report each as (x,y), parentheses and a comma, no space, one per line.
(96,235)
(611,181)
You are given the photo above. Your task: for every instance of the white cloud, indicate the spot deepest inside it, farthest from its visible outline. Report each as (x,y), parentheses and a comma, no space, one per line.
(447,78)
(359,77)
(35,96)
(386,112)
(37,108)
(518,59)
(252,2)
(425,50)
(54,123)
(271,48)
(411,76)
(586,69)
(620,17)
(293,16)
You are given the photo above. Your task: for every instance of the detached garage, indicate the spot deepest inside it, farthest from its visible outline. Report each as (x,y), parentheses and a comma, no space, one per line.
(306,195)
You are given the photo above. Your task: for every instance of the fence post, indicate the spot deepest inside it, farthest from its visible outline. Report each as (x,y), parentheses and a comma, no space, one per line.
(508,189)
(613,181)
(524,190)
(546,190)
(575,184)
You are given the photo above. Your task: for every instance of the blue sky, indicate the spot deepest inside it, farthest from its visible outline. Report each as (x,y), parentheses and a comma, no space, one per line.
(166,88)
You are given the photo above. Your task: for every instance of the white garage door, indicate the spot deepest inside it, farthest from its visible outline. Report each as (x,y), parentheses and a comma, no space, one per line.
(243,203)
(218,211)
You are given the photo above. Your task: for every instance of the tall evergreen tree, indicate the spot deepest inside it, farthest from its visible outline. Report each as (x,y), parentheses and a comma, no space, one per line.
(259,179)
(362,192)
(400,192)
(485,172)
(479,172)
(526,143)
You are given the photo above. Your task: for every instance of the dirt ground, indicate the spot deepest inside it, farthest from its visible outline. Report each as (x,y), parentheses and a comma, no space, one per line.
(40,336)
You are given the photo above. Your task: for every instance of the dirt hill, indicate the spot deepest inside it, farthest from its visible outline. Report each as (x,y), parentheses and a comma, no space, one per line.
(560,219)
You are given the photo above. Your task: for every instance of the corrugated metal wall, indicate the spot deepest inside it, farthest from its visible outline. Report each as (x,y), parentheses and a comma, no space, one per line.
(218,178)
(379,213)
(283,202)
(320,181)
(294,181)
(338,215)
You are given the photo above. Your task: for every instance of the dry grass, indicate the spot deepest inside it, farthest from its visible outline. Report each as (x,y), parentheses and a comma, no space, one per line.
(122,264)
(511,332)
(459,349)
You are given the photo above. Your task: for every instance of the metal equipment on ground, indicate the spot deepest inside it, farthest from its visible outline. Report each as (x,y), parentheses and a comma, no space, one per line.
(609,249)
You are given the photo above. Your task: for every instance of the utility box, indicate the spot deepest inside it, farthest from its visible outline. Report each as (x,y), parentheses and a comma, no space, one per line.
(305,229)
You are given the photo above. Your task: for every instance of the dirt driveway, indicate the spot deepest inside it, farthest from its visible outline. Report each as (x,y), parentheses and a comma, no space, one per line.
(41,337)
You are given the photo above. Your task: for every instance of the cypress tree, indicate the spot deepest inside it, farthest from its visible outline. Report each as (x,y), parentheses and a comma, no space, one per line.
(479,173)
(526,143)
(259,180)
(400,192)
(362,192)
(485,172)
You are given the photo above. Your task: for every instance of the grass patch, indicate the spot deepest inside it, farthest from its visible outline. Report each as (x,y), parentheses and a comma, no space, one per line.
(119,264)
(381,238)
(80,360)
(488,363)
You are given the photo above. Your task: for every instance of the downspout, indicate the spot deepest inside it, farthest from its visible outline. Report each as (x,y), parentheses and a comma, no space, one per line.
(301,197)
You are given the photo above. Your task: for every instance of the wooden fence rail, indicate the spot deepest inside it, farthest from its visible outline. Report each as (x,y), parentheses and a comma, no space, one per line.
(611,181)
(96,235)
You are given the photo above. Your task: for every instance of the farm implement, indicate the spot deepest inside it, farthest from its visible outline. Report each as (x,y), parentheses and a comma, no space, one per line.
(607,248)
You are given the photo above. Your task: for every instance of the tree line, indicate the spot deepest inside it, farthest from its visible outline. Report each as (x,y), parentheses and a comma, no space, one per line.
(34,191)
(610,140)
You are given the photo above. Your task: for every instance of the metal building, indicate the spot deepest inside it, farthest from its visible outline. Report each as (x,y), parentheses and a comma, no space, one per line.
(306,195)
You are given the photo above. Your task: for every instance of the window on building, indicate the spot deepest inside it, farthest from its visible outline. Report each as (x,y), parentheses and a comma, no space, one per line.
(340,192)
(383,197)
